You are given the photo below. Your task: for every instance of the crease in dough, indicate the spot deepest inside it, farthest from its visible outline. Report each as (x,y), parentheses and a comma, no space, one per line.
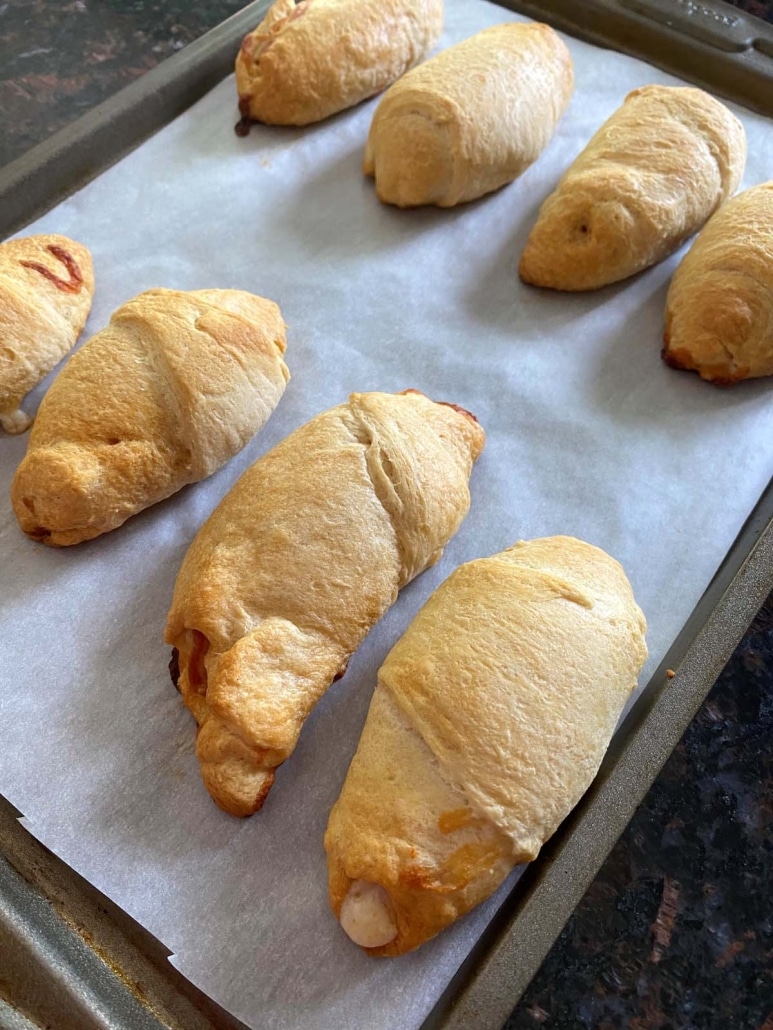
(46,289)
(164,395)
(650,177)
(296,565)
(490,718)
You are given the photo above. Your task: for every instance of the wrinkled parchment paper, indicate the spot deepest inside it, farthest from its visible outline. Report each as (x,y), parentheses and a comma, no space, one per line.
(588,434)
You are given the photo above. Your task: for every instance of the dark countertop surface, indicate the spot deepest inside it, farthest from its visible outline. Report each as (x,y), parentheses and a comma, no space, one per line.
(676,932)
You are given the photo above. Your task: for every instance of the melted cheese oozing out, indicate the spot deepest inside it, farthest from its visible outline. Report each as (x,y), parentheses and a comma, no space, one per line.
(366,915)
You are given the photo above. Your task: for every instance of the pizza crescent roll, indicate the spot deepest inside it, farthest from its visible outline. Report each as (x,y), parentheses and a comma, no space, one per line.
(46,289)
(650,177)
(471,119)
(719,309)
(298,563)
(164,395)
(489,721)
(309,60)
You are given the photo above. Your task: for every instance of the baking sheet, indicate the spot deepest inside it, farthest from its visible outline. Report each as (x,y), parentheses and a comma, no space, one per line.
(588,433)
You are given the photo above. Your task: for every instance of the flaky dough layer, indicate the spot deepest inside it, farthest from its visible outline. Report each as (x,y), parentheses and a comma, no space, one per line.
(719,309)
(172,388)
(307,61)
(471,119)
(489,721)
(649,178)
(298,562)
(46,289)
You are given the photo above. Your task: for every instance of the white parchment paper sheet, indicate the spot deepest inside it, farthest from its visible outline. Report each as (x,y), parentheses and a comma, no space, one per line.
(588,434)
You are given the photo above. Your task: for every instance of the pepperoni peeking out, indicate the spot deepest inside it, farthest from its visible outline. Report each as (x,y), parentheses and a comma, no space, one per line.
(74,282)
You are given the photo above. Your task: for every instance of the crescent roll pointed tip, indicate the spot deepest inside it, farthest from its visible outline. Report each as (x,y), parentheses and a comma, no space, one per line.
(14,420)
(649,178)
(46,289)
(489,721)
(309,60)
(298,562)
(164,395)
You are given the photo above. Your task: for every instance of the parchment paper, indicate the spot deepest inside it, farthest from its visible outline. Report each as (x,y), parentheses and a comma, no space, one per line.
(588,434)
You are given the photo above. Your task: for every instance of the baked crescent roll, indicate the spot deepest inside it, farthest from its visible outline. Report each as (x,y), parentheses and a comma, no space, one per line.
(295,566)
(172,388)
(471,119)
(649,178)
(719,309)
(308,60)
(46,288)
(489,721)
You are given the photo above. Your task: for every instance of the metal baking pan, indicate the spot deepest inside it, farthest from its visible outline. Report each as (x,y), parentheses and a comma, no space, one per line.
(69,957)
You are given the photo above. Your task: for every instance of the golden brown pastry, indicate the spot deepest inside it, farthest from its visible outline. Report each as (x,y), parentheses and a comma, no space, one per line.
(471,119)
(649,178)
(719,309)
(46,288)
(308,60)
(488,723)
(172,388)
(298,562)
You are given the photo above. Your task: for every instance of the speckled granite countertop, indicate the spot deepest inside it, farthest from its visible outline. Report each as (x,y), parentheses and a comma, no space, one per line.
(676,932)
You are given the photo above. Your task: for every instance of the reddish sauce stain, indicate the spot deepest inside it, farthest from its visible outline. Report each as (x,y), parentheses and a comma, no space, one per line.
(72,285)
(242,127)
(462,411)
(446,404)
(174,667)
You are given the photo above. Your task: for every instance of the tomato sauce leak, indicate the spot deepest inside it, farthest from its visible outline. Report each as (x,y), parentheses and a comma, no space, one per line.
(446,404)
(174,667)
(462,411)
(72,285)
(242,127)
